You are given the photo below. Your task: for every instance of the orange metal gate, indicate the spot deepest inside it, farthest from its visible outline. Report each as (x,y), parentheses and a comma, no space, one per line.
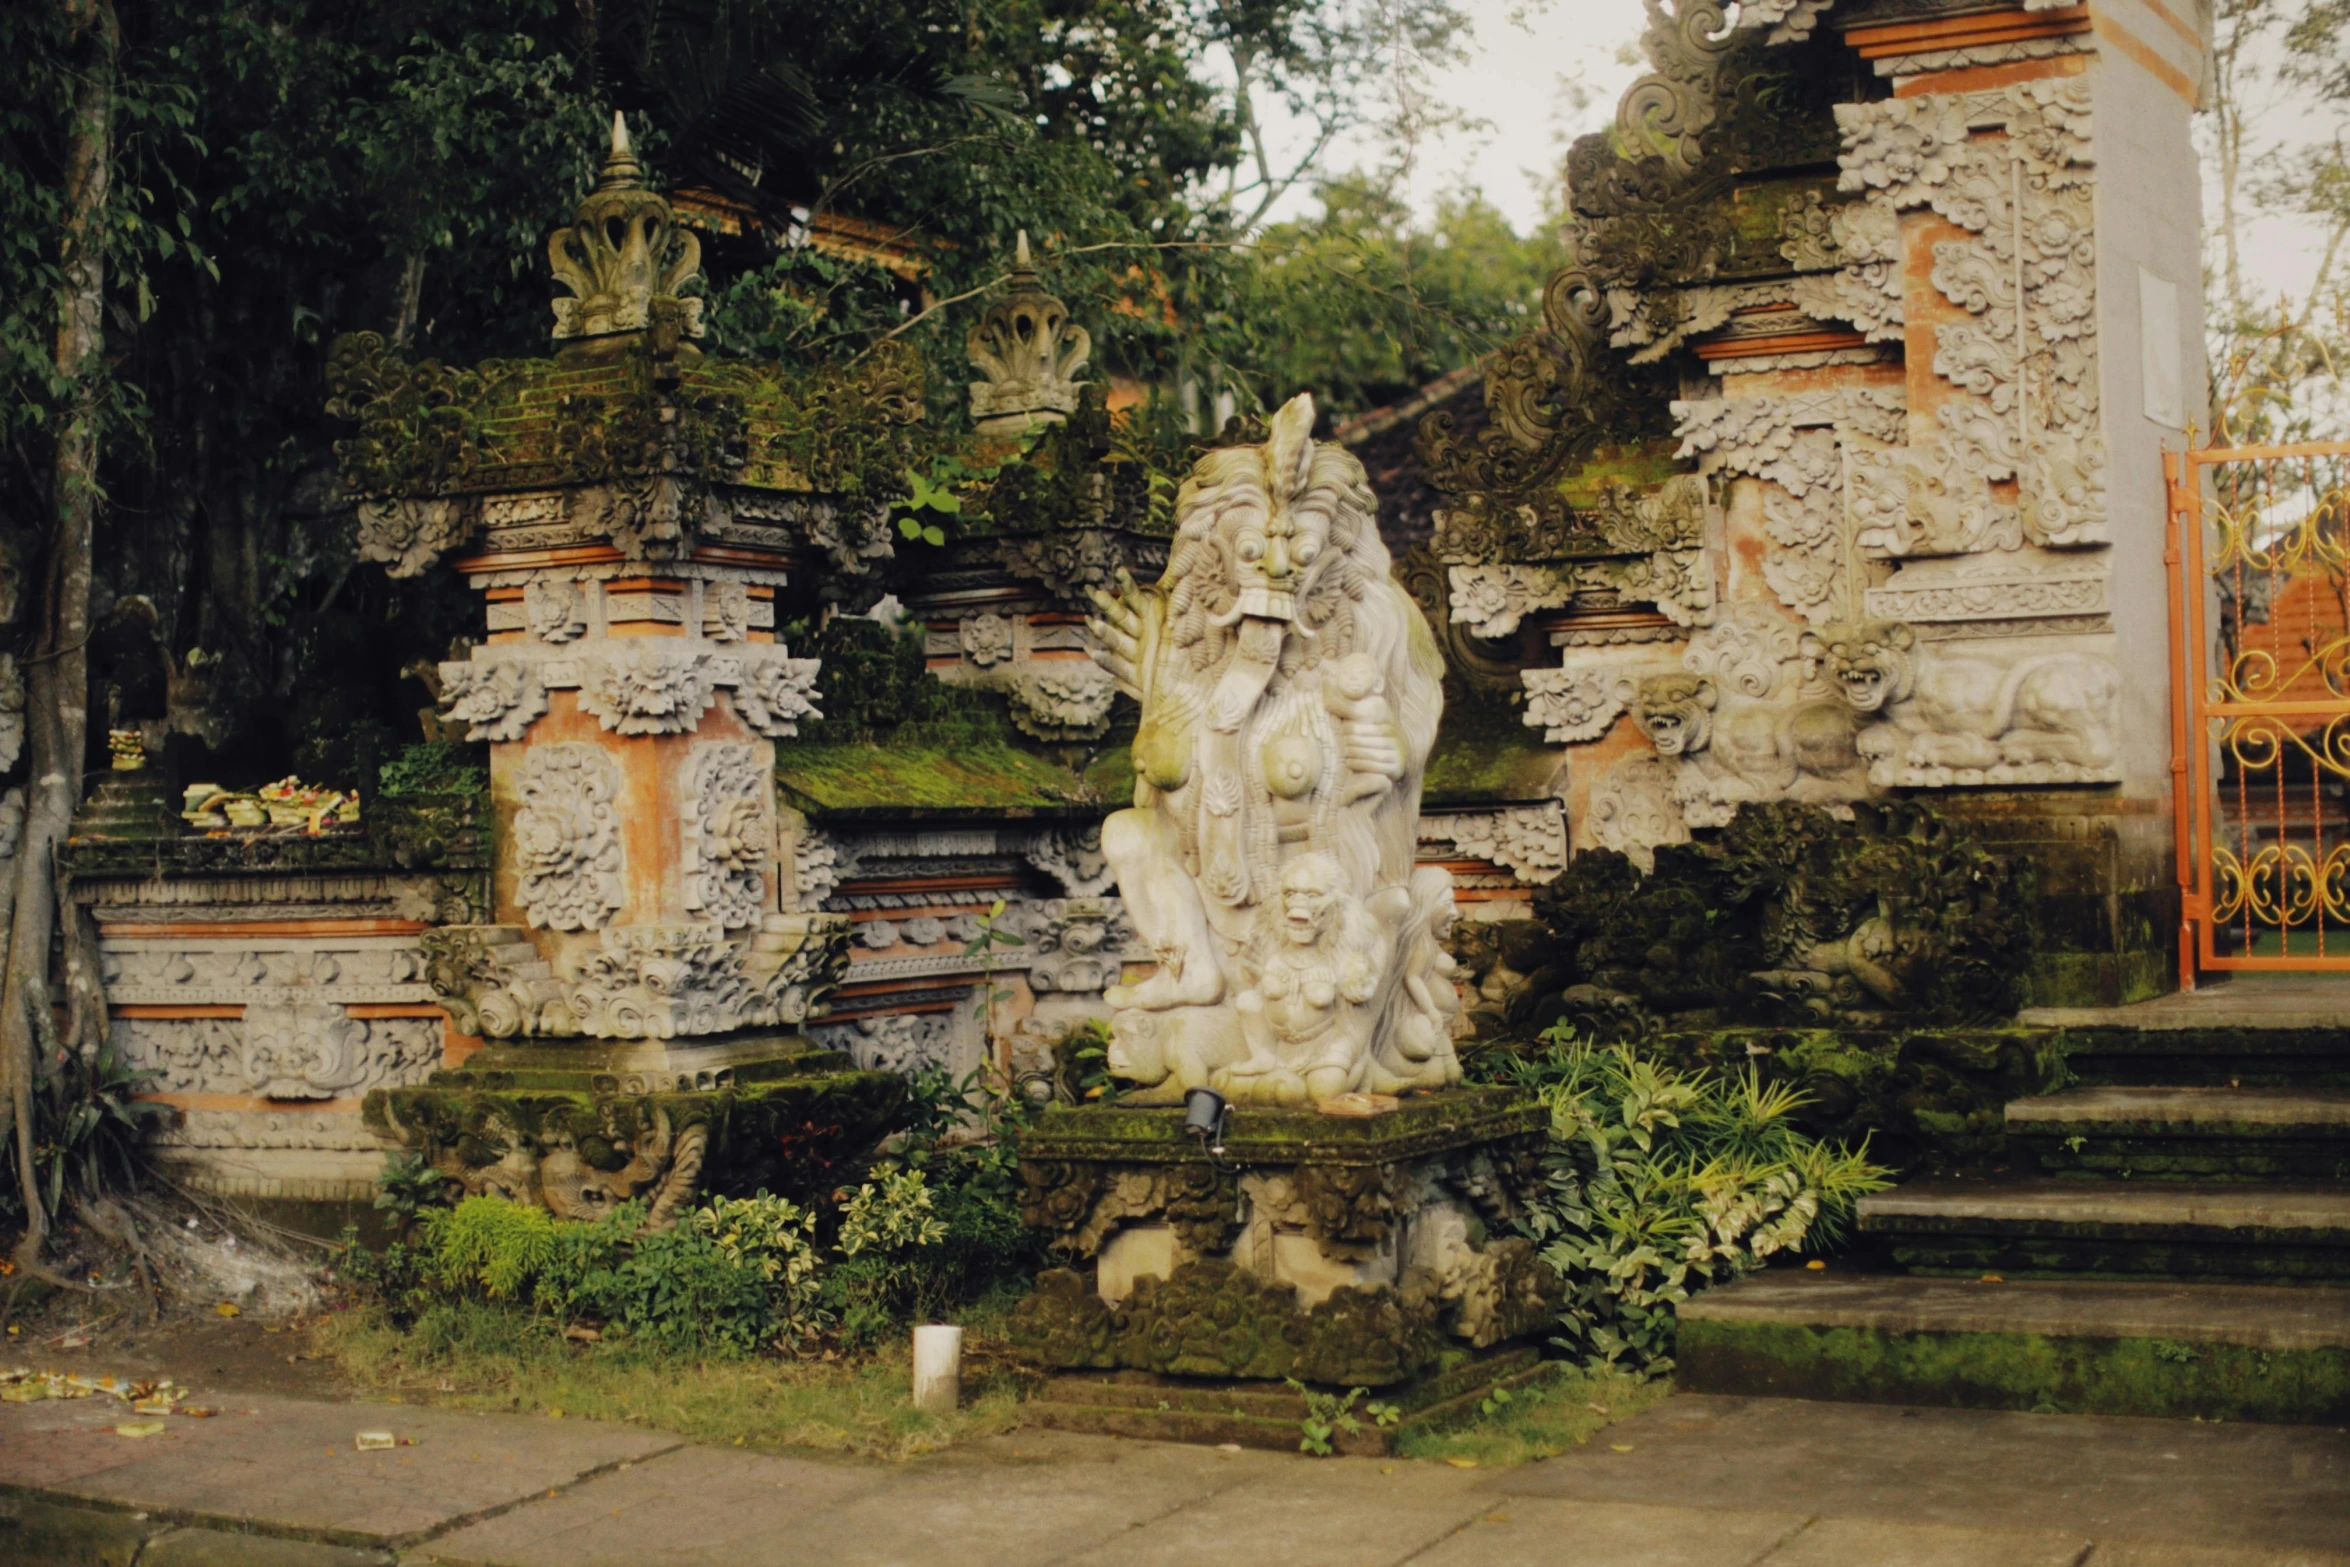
(2259,558)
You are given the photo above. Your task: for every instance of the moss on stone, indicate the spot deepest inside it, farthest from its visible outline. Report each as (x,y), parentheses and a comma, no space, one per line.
(909,778)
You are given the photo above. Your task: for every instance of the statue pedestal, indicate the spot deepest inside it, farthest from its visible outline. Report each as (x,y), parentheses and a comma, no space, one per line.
(1345,1253)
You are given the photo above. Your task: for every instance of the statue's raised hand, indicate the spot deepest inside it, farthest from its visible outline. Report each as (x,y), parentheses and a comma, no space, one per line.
(1123,633)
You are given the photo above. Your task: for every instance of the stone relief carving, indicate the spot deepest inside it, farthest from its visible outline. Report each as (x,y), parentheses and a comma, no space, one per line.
(987,639)
(1286,720)
(1632,810)
(649,689)
(1571,705)
(408,534)
(893,1042)
(728,831)
(777,691)
(1530,841)
(556,611)
(283,1048)
(818,864)
(1749,720)
(2015,713)
(636,686)
(1075,944)
(497,699)
(567,837)
(1797,444)
(1073,857)
(1061,700)
(726,611)
(2023,368)
(673,981)
(494,984)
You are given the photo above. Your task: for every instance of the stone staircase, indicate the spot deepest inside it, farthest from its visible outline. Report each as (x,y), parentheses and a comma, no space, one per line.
(2174,1238)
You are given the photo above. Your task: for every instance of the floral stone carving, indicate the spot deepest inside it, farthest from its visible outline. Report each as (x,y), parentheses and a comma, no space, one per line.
(728,832)
(567,837)
(1290,693)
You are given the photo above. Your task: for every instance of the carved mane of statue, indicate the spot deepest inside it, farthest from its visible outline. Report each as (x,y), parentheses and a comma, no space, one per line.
(1290,692)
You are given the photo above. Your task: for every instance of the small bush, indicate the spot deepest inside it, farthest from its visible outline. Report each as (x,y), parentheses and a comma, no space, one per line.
(1658,1184)
(435,767)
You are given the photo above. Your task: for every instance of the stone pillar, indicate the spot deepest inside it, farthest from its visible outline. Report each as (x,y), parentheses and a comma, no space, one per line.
(632,512)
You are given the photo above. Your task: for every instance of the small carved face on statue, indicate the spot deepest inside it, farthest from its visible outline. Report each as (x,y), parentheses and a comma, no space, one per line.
(1309,899)
(1676,712)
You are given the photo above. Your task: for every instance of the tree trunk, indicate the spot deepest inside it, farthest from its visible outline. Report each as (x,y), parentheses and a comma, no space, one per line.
(57,717)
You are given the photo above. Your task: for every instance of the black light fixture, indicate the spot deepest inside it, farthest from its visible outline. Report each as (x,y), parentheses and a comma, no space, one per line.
(1204,1116)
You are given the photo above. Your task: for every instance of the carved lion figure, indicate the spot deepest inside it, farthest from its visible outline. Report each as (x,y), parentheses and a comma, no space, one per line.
(2047,716)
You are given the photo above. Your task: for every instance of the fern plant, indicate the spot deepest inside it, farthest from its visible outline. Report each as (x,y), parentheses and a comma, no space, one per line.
(1659,1183)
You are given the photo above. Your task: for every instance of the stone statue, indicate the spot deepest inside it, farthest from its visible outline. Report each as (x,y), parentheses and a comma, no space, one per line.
(1290,692)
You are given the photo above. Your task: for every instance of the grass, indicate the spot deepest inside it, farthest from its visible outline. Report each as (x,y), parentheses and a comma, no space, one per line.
(1543,1419)
(481,1357)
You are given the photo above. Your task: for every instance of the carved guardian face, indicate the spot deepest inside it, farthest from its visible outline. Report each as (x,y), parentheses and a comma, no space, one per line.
(1676,713)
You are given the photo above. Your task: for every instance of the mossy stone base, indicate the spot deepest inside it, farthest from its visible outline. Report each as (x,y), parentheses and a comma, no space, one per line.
(1347,1252)
(1269,1415)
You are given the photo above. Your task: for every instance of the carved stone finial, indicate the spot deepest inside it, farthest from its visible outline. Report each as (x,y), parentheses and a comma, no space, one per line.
(1029,352)
(624,257)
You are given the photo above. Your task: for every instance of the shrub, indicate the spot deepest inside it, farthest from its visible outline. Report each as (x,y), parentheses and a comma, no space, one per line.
(1659,1183)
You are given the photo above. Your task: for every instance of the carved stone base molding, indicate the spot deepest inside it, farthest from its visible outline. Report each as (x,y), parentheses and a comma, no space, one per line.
(1345,1252)
(580,1130)
(643,982)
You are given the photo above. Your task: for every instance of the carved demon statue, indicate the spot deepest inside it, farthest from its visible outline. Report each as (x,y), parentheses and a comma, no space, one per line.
(1290,692)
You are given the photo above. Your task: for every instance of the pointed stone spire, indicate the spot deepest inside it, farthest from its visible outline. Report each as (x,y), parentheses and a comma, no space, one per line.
(1028,352)
(623,254)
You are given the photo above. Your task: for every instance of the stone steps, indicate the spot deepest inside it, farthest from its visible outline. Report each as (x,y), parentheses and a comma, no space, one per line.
(2304,1054)
(2139,1133)
(2210,1351)
(2076,1227)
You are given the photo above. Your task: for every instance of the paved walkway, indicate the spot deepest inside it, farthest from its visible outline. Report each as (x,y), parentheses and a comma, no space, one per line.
(1696,1482)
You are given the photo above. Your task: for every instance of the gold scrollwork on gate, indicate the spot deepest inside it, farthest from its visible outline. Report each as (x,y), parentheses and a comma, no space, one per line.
(2282,884)
(2251,534)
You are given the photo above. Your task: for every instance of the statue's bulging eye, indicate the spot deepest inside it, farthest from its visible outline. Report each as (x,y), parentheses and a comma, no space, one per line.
(1307,549)
(1252,548)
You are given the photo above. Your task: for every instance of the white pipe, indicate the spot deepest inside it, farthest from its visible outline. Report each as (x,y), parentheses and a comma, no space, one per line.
(938,1368)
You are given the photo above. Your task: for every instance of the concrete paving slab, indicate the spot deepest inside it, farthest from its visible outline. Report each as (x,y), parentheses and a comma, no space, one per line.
(1849,1542)
(289,1466)
(2170,1553)
(2272,1487)
(1037,1497)
(1362,1512)
(1526,1531)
